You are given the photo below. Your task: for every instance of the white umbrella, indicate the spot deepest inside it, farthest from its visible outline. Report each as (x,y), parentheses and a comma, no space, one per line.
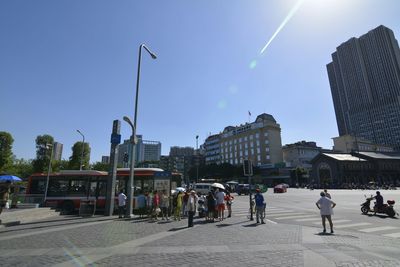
(181,189)
(218,185)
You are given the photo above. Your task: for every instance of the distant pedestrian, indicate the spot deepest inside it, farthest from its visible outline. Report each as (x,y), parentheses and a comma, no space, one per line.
(220,196)
(325,205)
(121,203)
(229,200)
(4,195)
(178,205)
(327,194)
(141,203)
(156,205)
(191,207)
(164,204)
(210,206)
(260,206)
(184,203)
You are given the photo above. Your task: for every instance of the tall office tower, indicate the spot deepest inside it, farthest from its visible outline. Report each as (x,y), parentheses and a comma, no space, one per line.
(364,76)
(57,150)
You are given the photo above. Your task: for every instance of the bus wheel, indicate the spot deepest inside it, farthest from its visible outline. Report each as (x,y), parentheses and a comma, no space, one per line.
(68,207)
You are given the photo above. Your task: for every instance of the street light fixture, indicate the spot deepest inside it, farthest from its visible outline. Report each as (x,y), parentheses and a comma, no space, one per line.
(48,171)
(130,189)
(197,159)
(83,148)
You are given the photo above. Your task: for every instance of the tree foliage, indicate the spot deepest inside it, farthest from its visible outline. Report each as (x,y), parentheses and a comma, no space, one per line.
(99,166)
(75,159)
(43,152)
(6,154)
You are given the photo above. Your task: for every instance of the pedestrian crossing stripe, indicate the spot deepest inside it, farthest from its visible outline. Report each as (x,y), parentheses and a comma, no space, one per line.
(376,229)
(393,235)
(351,225)
(292,217)
(334,221)
(308,219)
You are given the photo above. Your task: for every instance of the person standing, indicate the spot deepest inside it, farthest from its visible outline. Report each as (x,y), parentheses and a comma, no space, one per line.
(259,199)
(156,205)
(325,205)
(164,205)
(210,206)
(220,196)
(121,203)
(178,206)
(185,199)
(327,194)
(191,207)
(229,201)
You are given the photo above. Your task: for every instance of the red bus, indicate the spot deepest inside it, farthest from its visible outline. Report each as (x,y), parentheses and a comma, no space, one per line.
(67,188)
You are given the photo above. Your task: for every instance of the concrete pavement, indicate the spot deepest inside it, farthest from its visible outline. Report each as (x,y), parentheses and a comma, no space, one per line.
(105,241)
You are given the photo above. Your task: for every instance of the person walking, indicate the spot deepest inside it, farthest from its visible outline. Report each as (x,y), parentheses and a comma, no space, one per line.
(325,205)
(4,195)
(229,200)
(164,204)
(191,207)
(121,203)
(259,199)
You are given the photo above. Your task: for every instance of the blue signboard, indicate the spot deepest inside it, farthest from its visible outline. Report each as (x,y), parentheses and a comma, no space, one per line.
(162,174)
(115,139)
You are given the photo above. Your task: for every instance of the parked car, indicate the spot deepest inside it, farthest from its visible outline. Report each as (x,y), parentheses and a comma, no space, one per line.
(202,188)
(280,188)
(242,189)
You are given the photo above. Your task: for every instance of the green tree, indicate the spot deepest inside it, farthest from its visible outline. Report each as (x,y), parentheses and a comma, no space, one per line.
(43,152)
(58,165)
(6,154)
(99,166)
(21,168)
(75,159)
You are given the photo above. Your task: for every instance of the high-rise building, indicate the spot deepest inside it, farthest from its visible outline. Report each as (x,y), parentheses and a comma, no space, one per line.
(259,141)
(144,151)
(57,150)
(364,77)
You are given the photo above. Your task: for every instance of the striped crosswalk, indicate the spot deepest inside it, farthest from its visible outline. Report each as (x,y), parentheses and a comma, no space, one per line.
(276,214)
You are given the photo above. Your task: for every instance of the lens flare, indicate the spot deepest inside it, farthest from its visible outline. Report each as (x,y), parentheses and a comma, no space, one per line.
(222,104)
(253,64)
(284,22)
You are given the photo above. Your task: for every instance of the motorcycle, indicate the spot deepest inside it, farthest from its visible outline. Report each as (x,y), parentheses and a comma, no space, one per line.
(386,208)
(201,208)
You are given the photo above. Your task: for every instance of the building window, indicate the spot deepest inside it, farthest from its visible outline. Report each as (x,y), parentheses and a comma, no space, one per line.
(246,145)
(258,150)
(258,158)
(251,144)
(252,151)
(251,137)
(245,138)
(266,142)
(266,134)
(258,143)
(267,149)
(257,135)
(267,157)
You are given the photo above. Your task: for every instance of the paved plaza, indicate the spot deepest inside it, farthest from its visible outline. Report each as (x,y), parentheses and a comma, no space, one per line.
(236,241)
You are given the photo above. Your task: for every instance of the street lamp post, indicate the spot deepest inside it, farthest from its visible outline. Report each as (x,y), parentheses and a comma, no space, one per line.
(48,171)
(83,148)
(130,189)
(197,159)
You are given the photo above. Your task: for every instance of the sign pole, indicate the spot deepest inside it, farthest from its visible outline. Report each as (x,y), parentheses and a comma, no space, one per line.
(112,175)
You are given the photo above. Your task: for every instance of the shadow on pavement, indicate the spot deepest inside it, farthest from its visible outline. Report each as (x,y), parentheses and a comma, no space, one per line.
(177,228)
(250,225)
(382,216)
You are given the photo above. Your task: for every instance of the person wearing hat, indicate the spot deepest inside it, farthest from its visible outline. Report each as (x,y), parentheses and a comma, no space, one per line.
(191,207)
(259,199)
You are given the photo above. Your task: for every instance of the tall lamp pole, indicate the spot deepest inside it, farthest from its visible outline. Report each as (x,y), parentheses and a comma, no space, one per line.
(130,189)
(83,148)
(48,171)
(197,159)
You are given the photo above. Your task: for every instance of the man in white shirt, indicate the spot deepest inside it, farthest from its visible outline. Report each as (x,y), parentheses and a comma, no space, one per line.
(121,203)
(326,205)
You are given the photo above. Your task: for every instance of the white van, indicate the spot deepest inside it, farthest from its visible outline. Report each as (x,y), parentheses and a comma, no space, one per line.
(202,188)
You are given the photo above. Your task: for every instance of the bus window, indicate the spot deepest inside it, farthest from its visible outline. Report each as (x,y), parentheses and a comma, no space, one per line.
(37,186)
(92,188)
(57,187)
(78,188)
(102,188)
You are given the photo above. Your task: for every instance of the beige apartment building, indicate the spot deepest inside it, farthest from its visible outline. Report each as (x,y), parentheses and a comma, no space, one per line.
(259,141)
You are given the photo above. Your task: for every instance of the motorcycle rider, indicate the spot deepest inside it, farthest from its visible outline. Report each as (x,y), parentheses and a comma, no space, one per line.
(379,202)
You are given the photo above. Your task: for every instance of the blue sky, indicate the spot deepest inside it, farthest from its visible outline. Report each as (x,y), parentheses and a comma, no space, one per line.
(68,65)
